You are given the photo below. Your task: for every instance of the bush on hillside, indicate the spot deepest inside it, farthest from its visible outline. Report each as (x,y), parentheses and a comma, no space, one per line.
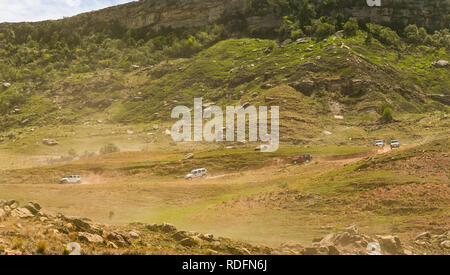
(109,149)
(387,116)
(415,35)
(324,30)
(384,34)
(351,27)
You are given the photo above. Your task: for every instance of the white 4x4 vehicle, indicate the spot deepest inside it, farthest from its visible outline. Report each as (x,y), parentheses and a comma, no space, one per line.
(379,143)
(70,179)
(395,144)
(198,173)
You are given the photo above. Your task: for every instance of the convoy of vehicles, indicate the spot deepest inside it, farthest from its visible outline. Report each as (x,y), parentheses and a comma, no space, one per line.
(394,144)
(203,172)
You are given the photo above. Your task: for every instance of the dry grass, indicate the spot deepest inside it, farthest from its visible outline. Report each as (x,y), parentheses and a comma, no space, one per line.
(245,201)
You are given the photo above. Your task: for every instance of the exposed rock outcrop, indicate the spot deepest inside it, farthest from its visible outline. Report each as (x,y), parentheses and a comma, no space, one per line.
(137,238)
(175,14)
(60,232)
(441,64)
(429,241)
(352,242)
(21,213)
(90,238)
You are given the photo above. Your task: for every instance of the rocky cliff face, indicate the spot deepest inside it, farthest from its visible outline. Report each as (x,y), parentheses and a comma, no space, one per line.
(159,14)
(172,13)
(433,14)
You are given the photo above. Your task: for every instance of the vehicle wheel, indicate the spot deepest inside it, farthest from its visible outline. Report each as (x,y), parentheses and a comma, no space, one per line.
(295,162)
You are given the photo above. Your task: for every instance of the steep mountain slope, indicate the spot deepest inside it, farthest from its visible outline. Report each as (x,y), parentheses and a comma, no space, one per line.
(312,82)
(101,66)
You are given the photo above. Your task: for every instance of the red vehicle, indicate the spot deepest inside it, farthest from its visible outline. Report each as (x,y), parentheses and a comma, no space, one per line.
(302,159)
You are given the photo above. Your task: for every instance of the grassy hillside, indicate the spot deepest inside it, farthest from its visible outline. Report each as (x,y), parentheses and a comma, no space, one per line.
(338,75)
(76,70)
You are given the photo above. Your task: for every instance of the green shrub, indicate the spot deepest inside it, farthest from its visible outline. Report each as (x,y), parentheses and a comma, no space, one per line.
(72,152)
(387,115)
(41,248)
(414,35)
(290,29)
(183,48)
(324,30)
(9,99)
(351,27)
(384,34)
(284,185)
(109,149)
(295,34)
